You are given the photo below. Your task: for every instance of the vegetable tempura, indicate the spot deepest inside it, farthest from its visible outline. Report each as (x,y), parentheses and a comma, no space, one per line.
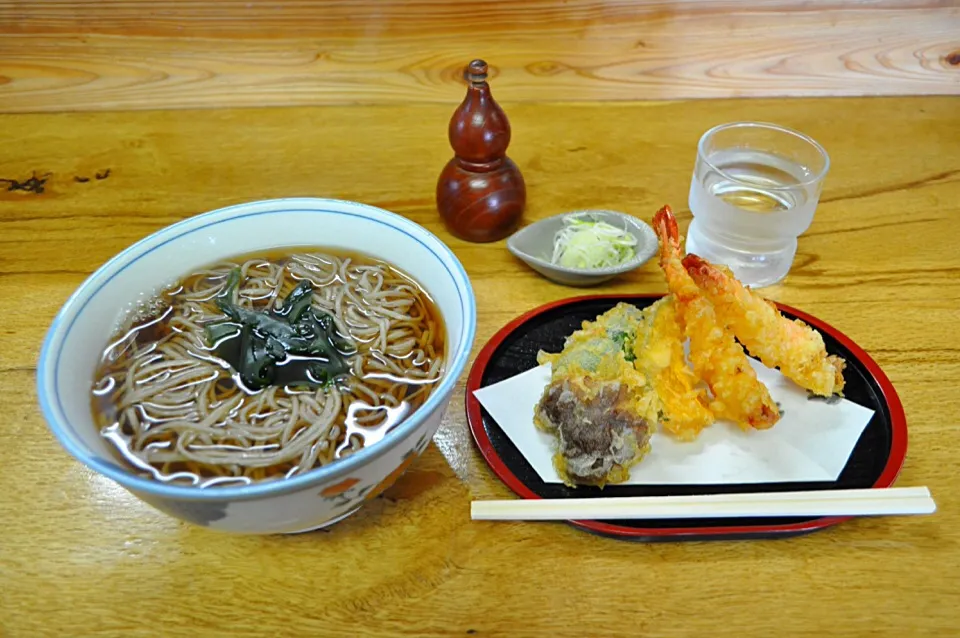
(597,404)
(622,374)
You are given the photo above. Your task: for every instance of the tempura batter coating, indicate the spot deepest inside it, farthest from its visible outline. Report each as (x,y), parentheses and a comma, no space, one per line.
(603,350)
(599,436)
(716,357)
(598,405)
(621,374)
(793,346)
(658,351)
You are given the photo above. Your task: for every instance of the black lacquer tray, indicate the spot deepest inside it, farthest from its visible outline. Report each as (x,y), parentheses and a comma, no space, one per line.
(875,461)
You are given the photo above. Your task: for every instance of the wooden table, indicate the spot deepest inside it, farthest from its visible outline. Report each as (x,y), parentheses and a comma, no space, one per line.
(61,55)
(79,556)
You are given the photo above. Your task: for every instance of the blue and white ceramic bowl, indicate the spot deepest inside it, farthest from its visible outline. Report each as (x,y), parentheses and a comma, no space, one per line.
(319,497)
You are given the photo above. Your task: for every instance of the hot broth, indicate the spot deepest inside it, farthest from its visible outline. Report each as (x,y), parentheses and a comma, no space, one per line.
(266,366)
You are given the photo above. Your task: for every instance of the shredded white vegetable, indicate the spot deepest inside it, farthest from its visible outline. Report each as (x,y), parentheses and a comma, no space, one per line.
(587,243)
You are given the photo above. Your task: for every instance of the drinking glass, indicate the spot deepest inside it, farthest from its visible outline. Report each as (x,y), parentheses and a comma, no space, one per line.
(755,188)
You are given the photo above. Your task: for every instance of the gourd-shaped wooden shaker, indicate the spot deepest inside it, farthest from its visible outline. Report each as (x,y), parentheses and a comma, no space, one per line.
(480,194)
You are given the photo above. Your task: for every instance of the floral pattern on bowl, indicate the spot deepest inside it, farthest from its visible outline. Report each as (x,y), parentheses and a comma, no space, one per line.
(315,498)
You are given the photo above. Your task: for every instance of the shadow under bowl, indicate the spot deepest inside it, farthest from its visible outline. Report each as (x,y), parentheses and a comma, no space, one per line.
(316,498)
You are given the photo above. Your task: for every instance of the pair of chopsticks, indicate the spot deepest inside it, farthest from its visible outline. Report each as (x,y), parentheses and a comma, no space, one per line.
(891,501)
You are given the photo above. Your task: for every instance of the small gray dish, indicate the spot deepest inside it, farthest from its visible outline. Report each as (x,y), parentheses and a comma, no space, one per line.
(534,245)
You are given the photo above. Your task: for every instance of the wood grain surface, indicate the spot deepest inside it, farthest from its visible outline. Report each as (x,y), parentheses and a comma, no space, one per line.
(81,557)
(127,54)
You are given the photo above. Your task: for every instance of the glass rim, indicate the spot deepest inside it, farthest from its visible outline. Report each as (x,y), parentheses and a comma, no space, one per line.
(770,126)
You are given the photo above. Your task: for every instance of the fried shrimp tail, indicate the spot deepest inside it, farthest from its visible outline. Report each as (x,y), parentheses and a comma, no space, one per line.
(793,346)
(716,357)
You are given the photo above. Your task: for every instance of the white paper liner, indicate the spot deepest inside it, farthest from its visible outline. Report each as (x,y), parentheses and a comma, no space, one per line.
(812,441)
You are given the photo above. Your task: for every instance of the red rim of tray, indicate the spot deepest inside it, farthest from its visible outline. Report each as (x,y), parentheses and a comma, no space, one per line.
(898,434)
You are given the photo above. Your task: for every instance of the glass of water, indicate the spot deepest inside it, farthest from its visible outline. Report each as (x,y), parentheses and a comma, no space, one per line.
(755,188)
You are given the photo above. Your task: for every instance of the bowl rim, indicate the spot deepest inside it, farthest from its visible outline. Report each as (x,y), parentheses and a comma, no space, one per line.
(643,229)
(47,365)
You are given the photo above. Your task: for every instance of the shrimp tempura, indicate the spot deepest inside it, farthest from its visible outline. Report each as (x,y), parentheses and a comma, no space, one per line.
(792,346)
(717,358)
(658,353)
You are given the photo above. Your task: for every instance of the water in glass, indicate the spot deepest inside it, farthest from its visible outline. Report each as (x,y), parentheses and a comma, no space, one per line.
(750,204)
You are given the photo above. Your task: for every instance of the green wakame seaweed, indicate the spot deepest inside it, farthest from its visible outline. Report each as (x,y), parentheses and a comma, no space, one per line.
(256,342)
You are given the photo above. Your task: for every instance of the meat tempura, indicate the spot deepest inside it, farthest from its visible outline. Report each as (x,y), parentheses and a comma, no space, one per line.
(622,374)
(600,408)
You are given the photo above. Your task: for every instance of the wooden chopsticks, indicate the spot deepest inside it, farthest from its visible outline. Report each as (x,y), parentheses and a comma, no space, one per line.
(892,501)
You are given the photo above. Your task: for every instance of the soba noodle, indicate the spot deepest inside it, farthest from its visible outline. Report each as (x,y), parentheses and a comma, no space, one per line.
(176,409)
